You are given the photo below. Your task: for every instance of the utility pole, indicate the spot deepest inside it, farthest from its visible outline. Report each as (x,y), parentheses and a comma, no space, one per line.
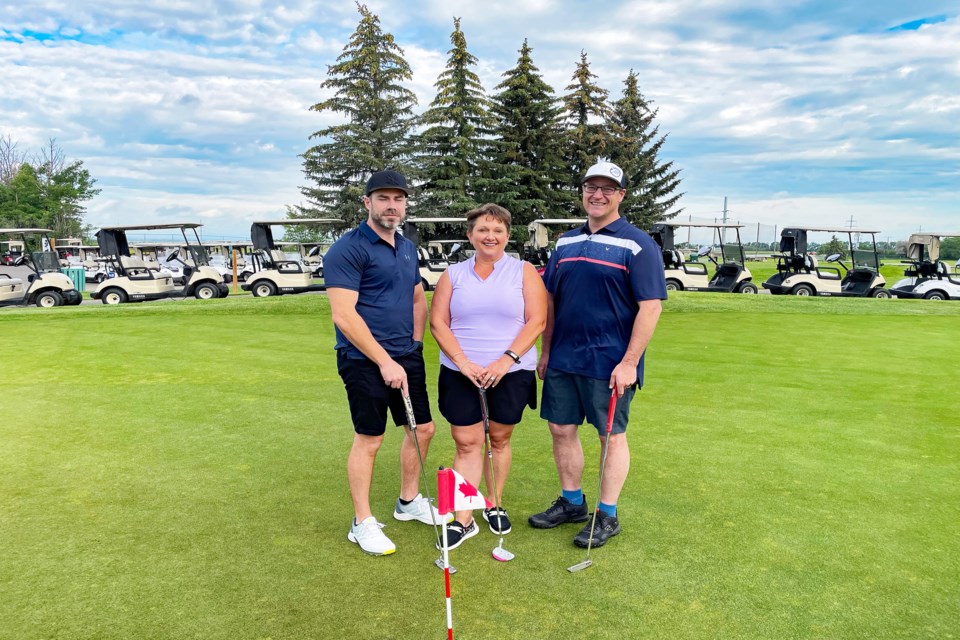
(850,224)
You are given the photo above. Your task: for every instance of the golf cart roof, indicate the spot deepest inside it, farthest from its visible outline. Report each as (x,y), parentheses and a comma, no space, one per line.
(295,221)
(26,230)
(703,225)
(436,220)
(831,229)
(151,227)
(572,221)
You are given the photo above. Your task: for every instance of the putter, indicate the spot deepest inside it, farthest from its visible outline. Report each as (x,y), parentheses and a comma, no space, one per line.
(499,553)
(412,422)
(580,566)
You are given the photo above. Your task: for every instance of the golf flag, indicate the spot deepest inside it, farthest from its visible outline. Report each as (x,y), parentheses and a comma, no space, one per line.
(456,494)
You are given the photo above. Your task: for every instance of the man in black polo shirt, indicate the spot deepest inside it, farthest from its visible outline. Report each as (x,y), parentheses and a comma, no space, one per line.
(380,313)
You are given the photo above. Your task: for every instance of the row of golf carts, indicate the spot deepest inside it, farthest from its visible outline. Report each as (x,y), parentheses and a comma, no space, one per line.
(799,271)
(124,272)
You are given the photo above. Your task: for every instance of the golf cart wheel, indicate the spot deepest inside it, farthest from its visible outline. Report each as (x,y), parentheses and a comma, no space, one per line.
(263,289)
(673,285)
(935,295)
(49,299)
(113,296)
(748,287)
(206,291)
(803,290)
(880,292)
(99,278)
(426,285)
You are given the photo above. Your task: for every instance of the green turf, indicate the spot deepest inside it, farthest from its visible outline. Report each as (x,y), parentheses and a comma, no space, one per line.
(176,470)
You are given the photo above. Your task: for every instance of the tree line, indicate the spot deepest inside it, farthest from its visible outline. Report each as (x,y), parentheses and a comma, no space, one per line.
(523,147)
(45,190)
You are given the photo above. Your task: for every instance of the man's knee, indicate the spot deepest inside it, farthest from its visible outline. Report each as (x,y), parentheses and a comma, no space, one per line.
(426,430)
(563,431)
(367,444)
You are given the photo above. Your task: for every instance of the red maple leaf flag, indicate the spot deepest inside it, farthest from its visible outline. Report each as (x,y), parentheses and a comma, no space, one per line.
(456,494)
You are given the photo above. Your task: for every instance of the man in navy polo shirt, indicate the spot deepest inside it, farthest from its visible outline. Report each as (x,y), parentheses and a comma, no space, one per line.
(605,283)
(380,313)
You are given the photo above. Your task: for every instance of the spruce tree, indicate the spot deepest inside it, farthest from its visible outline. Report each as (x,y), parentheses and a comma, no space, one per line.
(454,155)
(529,161)
(587,112)
(367,83)
(651,184)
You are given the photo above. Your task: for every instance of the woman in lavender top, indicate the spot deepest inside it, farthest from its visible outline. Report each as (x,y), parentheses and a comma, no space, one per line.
(486,315)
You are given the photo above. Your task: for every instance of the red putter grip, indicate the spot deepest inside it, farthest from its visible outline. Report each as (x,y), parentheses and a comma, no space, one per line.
(611,410)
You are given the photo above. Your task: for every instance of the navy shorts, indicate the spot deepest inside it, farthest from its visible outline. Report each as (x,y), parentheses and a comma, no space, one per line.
(569,398)
(460,399)
(369,396)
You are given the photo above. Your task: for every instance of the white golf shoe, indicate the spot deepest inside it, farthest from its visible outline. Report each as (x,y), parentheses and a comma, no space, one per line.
(371,539)
(419,509)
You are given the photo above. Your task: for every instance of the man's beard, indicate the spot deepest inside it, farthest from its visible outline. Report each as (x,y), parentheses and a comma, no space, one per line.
(386,224)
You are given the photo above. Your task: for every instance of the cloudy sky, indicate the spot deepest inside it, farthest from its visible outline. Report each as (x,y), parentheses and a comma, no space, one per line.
(797,111)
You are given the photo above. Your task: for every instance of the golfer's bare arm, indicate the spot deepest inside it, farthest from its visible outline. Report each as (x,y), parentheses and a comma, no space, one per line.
(440,322)
(534,310)
(343,305)
(644,324)
(419,312)
(545,339)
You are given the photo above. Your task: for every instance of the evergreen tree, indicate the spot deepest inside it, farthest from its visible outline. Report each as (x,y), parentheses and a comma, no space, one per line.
(587,113)
(456,148)
(529,162)
(651,183)
(367,83)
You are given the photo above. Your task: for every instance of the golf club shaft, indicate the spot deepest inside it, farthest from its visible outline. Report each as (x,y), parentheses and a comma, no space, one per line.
(485,412)
(412,422)
(603,464)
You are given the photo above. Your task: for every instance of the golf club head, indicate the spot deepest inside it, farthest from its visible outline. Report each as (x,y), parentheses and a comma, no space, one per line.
(439,563)
(502,555)
(580,566)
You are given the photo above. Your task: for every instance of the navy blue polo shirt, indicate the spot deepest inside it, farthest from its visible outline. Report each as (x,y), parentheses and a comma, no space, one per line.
(384,278)
(596,280)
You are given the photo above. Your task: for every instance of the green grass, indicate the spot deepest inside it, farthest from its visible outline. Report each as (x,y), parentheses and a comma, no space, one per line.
(176,470)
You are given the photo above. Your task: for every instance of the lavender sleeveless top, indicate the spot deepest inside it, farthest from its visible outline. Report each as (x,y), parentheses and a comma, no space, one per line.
(486,315)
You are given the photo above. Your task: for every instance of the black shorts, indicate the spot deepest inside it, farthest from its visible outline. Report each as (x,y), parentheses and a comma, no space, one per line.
(369,396)
(460,400)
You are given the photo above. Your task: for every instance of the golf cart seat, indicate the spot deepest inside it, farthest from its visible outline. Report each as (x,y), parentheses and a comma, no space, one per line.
(810,262)
(134,266)
(8,281)
(672,259)
(942,271)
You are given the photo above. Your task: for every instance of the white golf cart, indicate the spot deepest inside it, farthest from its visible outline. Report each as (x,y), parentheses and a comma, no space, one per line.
(431,257)
(800,273)
(928,277)
(730,276)
(138,279)
(35,277)
(539,245)
(273,273)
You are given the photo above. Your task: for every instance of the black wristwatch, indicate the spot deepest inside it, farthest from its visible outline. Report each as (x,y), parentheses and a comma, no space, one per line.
(512,355)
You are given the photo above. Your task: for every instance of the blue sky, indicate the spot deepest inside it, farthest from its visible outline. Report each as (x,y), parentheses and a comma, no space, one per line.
(799,112)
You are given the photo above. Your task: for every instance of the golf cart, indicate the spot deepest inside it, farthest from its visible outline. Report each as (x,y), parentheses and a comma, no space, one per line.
(86,257)
(431,257)
(34,277)
(273,273)
(138,279)
(731,276)
(928,277)
(799,272)
(221,259)
(539,244)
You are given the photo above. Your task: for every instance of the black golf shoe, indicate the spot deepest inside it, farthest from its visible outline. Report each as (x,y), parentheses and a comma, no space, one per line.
(457,533)
(606,527)
(498,520)
(560,512)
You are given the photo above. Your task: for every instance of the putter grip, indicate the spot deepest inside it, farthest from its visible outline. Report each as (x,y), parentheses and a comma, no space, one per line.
(611,410)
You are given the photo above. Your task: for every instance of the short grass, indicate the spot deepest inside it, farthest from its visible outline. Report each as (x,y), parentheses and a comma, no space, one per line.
(176,470)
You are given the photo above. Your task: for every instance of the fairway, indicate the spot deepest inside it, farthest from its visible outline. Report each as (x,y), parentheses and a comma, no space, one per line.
(177,470)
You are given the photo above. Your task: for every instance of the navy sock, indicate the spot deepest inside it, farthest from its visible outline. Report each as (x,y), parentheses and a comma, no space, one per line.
(573,497)
(404,502)
(608,509)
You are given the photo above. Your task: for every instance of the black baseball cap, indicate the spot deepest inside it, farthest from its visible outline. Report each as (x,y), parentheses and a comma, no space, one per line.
(388,179)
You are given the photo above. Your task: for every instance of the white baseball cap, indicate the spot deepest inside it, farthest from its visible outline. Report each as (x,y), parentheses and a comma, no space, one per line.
(604,169)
